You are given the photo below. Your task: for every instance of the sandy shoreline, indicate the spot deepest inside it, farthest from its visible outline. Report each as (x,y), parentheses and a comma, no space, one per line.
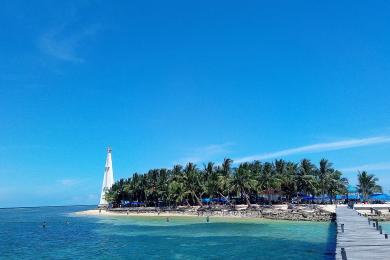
(95,212)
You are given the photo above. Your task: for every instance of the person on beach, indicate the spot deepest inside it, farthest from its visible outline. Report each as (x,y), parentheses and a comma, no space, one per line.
(100,211)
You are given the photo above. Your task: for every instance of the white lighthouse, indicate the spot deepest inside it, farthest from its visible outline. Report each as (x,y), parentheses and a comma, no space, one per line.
(108,179)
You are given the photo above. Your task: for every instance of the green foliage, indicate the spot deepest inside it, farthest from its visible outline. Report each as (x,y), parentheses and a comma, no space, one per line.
(367,184)
(188,185)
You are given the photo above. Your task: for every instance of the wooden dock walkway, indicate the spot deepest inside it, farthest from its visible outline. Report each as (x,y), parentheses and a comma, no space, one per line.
(360,240)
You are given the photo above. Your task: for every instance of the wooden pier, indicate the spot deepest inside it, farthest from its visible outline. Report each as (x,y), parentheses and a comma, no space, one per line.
(357,238)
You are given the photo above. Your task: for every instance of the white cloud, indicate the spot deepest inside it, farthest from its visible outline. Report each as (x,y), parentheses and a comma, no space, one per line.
(320,147)
(205,153)
(69,182)
(63,45)
(368,167)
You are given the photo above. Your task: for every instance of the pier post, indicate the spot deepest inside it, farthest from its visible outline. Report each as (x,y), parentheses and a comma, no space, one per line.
(342,228)
(386,236)
(373,224)
(343,254)
(376,224)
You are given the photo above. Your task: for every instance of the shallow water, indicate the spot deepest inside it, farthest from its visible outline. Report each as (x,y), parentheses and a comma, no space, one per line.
(385,226)
(69,236)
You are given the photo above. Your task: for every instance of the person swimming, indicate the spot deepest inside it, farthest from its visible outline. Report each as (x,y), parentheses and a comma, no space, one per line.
(44,224)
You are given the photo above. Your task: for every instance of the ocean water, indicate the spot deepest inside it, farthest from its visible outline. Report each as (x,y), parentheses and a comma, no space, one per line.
(385,226)
(68,236)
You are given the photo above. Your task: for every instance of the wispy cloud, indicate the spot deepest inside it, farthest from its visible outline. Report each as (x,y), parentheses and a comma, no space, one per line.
(368,167)
(69,182)
(205,153)
(320,147)
(63,45)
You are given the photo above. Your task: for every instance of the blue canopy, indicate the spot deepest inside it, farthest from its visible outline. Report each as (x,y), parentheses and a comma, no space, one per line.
(207,200)
(380,196)
(137,203)
(222,200)
(350,197)
(308,198)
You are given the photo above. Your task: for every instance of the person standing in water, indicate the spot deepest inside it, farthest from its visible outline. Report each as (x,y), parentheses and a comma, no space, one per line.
(207,219)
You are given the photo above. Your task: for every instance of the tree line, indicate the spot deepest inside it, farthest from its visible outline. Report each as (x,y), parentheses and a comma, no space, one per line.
(190,185)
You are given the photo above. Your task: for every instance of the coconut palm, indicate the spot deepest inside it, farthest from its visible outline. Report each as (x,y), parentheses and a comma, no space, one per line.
(336,184)
(286,172)
(211,179)
(367,184)
(178,186)
(306,180)
(242,182)
(268,180)
(224,177)
(193,183)
(323,176)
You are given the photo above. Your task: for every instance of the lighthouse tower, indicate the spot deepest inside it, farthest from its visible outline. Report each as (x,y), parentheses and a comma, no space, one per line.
(108,179)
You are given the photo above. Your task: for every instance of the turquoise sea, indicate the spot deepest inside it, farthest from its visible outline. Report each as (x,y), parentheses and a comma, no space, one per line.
(67,236)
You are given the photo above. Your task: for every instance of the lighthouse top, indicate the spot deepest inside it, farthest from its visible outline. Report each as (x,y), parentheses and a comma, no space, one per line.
(108,179)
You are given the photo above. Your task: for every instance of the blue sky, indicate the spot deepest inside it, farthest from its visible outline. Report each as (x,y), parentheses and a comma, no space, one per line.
(164,82)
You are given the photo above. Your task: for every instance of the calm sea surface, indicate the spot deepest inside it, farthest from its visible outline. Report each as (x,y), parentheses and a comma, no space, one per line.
(72,237)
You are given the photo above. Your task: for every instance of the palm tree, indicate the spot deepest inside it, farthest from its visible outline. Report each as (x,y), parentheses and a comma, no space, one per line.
(286,173)
(176,192)
(211,179)
(336,184)
(306,181)
(224,177)
(323,176)
(192,183)
(367,184)
(187,185)
(242,182)
(268,181)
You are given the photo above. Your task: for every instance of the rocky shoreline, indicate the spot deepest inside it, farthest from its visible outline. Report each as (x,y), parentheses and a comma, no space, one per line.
(300,213)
